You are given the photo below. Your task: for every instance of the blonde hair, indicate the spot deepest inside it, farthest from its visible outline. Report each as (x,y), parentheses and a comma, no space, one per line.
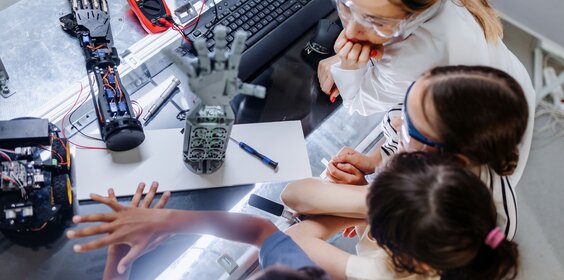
(482,11)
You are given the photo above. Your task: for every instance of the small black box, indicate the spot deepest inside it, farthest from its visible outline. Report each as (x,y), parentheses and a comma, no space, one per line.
(24,132)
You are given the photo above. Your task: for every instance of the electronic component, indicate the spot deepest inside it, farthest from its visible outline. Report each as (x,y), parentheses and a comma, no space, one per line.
(271,207)
(36,197)
(149,12)
(213,78)
(90,23)
(23,131)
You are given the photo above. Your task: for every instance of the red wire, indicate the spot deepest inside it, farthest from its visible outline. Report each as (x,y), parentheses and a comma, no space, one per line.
(172,25)
(197,18)
(63,126)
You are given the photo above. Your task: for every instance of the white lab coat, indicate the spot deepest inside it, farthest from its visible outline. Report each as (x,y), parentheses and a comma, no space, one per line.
(450,36)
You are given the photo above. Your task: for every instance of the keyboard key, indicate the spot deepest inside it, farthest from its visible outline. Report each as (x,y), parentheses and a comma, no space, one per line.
(288,13)
(230,18)
(236,14)
(245,26)
(251,22)
(264,22)
(244,18)
(304,2)
(229,38)
(280,18)
(197,33)
(257,36)
(238,21)
(269,18)
(259,25)
(261,15)
(288,4)
(254,30)
(296,7)
(233,26)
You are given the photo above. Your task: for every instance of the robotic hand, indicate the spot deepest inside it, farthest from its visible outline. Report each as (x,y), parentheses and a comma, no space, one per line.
(213,78)
(90,23)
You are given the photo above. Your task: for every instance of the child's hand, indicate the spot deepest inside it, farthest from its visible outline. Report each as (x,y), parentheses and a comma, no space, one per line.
(359,160)
(355,55)
(326,82)
(136,228)
(344,173)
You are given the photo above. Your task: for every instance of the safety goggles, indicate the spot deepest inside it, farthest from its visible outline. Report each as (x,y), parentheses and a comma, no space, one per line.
(383,27)
(408,130)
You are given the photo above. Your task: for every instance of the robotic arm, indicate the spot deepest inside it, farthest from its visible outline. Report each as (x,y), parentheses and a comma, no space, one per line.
(90,23)
(213,78)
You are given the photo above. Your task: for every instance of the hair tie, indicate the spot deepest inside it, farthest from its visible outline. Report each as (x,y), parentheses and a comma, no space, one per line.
(494,238)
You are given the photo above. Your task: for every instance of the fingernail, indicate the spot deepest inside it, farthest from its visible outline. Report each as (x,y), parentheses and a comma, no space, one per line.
(373,53)
(76,219)
(77,248)
(111,191)
(70,234)
(333,99)
(120,269)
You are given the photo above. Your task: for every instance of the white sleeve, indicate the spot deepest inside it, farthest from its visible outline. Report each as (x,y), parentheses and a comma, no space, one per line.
(367,92)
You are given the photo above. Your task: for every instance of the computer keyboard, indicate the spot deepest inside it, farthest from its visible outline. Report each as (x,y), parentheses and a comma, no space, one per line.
(272,26)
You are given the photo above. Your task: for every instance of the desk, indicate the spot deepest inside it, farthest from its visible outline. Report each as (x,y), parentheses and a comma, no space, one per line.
(290,96)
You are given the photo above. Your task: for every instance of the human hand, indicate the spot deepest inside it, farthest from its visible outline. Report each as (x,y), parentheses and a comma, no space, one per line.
(355,54)
(326,82)
(132,230)
(344,173)
(357,159)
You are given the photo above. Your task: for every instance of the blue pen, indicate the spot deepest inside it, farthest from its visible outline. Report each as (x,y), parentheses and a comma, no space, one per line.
(263,158)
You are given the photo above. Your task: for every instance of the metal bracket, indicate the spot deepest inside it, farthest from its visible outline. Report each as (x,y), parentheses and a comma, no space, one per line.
(4,90)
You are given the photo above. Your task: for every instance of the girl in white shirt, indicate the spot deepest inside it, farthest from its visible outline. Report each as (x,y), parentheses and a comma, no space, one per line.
(387,44)
(430,217)
(478,113)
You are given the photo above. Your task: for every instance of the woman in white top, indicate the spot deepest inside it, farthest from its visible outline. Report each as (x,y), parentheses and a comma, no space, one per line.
(409,37)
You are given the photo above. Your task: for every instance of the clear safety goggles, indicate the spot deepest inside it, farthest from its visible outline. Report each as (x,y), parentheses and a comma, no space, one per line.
(383,27)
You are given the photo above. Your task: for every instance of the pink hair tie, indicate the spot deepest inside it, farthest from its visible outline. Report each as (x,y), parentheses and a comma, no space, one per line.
(494,238)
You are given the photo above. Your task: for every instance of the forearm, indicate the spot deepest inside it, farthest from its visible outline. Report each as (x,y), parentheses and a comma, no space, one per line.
(316,196)
(231,226)
(115,254)
(311,236)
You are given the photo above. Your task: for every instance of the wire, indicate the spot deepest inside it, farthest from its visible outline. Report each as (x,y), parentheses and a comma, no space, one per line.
(7,157)
(140,108)
(170,23)
(79,130)
(63,126)
(197,18)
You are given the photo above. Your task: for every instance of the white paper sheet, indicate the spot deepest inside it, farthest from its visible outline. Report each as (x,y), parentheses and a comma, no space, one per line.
(159,158)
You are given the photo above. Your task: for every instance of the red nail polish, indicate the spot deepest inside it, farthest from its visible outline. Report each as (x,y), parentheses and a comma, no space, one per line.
(333,99)
(373,53)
